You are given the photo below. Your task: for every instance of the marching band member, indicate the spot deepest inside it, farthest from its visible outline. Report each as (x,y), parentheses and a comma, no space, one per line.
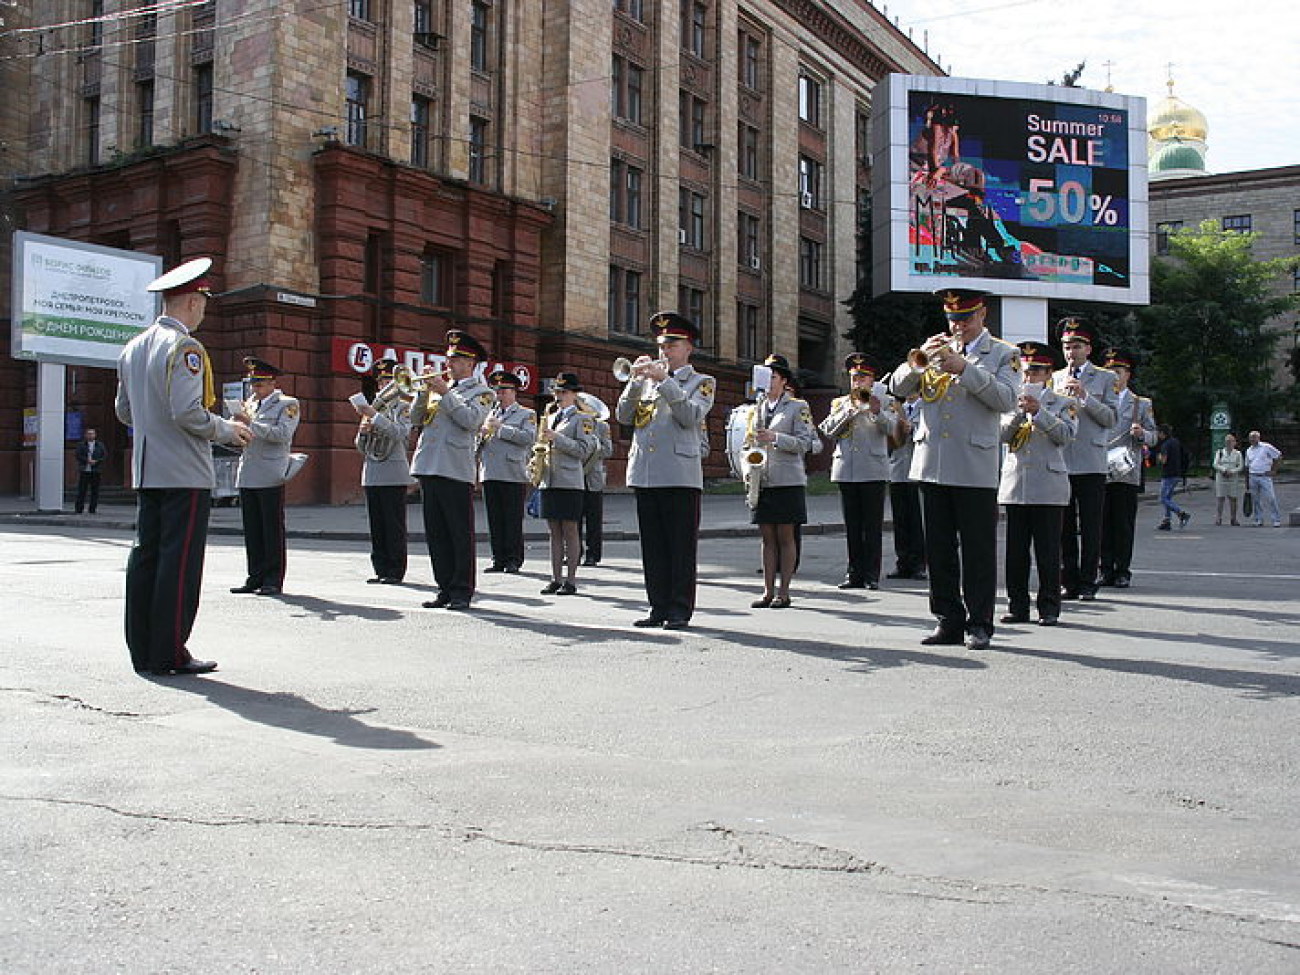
(1093,389)
(905,495)
(967,380)
(565,440)
(263,471)
(1135,427)
(861,426)
(504,444)
(667,403)
(1036,486)
(782,425)
(449,411)
(386,475)
(592,526)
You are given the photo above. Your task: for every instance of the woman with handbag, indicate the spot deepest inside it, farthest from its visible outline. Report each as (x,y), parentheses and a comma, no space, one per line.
(1228,467)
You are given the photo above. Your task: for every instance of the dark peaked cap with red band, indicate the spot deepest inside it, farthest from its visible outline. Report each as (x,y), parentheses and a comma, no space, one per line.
(670,325)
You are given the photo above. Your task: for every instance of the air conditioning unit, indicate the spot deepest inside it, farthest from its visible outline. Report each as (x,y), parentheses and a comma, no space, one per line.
(754,263)
(681,235)
(806,200)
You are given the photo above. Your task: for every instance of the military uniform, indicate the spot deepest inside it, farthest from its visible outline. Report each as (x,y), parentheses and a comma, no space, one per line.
(385,480)
(860,469)
(593,496)
(503,471)
(956,457)
(1119,510)
(782,499)
(263,471)
(165,394)
(1035,489)
(905,497)
(575,441)
(444,464)
(665,468)
(1086,456)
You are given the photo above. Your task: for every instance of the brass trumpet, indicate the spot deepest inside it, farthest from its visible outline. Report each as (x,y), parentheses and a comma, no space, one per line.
(409,384)
(625,369)
(934,383)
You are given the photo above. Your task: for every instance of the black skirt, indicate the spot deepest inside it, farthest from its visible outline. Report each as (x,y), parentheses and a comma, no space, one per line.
(781,506)
(561,504)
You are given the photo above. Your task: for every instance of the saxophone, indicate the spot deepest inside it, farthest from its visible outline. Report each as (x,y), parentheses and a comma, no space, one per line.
(539,460)
(753,461)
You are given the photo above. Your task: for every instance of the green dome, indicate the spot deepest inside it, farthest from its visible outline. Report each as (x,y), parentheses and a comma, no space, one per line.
(1177,156)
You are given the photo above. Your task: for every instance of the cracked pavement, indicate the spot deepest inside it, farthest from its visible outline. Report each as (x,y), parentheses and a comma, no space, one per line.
(366,786)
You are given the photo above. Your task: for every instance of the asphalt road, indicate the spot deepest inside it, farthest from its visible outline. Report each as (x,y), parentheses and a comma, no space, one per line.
(366,786)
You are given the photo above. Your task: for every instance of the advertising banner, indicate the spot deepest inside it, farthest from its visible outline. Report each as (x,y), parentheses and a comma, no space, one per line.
(78,303)
(1022,190)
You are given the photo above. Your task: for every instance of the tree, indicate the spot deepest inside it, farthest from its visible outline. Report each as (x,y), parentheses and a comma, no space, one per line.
(1205,332)
(1071,78)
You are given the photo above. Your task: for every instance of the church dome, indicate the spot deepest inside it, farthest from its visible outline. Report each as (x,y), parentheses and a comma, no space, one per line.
(1177,156)
(1174,119)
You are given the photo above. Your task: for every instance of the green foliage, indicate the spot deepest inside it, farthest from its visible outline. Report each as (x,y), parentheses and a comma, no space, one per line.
(886,328)
(1203,335)
(1071,78)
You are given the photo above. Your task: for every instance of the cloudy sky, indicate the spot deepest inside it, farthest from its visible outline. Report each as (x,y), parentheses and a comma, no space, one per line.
(1239,63)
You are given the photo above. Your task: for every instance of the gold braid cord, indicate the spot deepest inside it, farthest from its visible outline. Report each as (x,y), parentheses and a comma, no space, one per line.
(645,411)
(934,384)
(1022,434)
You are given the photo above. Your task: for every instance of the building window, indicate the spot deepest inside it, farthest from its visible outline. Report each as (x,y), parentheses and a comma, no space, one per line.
(422,18)
(810,100)
(693,111)
(372,267)
(1163,232)
(625,92)
(478,131)
(478,36)
(751,61)
(420,112)
(632,9)
(690,302)
(358,97)
(690,217)
(862,136)
(624,300)
(694,23)
(435,279)
(203,98)
(91,115)
(144,104)
(747,151)
(625,193)
(810,264)
(1238,224)
(748,332)
(810,183)
(96,24)
(748,240)
(1295,219)
(359,9)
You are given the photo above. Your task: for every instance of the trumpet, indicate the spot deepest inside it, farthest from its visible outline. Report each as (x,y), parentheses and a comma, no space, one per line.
(934,382)
(625,369)
(409,383)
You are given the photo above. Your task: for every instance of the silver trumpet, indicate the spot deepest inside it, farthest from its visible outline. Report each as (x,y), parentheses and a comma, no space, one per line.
(625,369)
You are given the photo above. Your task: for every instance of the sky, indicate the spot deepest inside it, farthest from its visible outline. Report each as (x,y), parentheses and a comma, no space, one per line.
(1237,62)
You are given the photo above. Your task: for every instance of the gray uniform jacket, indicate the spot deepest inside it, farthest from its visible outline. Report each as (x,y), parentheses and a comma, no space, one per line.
(1086,454)
(900,461)
(449,430)
(956,437)
(265,461)
(394,424)
(594,469)
(575,440)
(791,420)
(861,441)
(666,450)
(504,455)
(1036,473)
(1131,409)
(160,394)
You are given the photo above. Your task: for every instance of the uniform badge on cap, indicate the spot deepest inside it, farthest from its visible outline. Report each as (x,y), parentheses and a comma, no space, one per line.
(259,370)
(1073,329)
(959,302)
(671,325)
(460,343)
(190,276)
(856,364)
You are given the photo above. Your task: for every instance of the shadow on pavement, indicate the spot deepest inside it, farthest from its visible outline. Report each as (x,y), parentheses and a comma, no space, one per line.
(329,610)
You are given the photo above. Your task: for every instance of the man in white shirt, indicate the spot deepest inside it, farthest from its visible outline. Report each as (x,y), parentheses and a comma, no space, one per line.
(1261,462)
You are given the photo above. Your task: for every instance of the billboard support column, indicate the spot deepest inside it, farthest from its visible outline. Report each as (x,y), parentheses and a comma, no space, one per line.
(1024,320)
(50,377)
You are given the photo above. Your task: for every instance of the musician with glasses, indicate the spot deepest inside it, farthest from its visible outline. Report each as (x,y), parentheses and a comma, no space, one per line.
(967,379)
(449,411)
(503,447)
(667,403)
(382,435)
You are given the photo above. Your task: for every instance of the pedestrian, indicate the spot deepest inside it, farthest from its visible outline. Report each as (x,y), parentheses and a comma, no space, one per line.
(1173,468)
(1093,391)
(503,448)
(667,403)
(967,379)
(1035,487)
(860,426)
(273,418)
(382,435)
(905,494)
(566,438)
(782,427)
(165,394)
(90,455)
(1228,467)
(1261,464)
(449,411)
(1133,434)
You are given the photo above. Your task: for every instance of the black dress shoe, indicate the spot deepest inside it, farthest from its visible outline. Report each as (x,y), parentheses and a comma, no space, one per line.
(246,587)
(898,574)
(919,575)
(590,563)
(437,603)
(1123,582)
(551,588)
(942,637)
(851,583)
(979,639)
(676,624)
(391,581)
(374,581)
(511,569)
(192,667)
(1069,594)
(1015,618)
(1049,621)
(457,604)
(871,584)
(1106,580)
(269,591)
(495,568)
(649,621)
(568,589)
(1088,595)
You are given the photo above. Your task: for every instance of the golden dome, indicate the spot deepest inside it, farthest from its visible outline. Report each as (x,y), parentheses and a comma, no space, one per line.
(1174,119)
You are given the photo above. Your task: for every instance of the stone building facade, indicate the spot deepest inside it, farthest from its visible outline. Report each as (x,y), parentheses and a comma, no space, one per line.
(370,173)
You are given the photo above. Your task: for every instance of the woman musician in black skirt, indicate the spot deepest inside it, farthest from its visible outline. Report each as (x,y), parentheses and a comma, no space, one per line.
(566,437)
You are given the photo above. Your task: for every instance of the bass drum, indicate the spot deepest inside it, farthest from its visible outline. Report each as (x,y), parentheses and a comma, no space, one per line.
(737,427)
